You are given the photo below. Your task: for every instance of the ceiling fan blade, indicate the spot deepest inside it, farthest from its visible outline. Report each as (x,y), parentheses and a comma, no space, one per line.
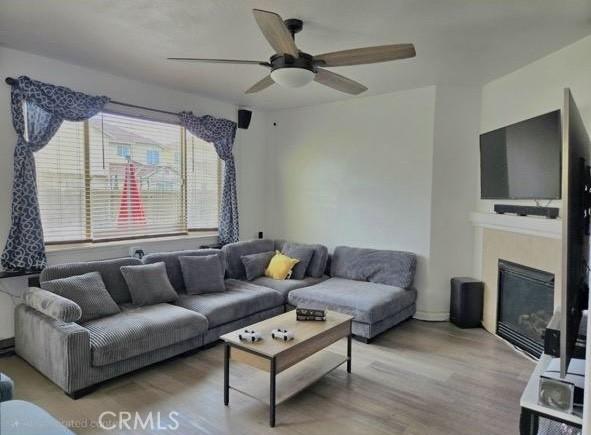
(260,85)
(338,82)
(276,32)
(231,61)
(360,56)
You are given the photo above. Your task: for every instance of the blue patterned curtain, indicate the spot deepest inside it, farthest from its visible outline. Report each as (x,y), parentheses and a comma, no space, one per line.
(221,133)
(47,106)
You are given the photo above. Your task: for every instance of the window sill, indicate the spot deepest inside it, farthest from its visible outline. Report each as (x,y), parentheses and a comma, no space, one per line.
(149,244)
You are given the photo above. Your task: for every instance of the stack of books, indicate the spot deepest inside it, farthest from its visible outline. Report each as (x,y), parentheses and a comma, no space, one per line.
(310,314)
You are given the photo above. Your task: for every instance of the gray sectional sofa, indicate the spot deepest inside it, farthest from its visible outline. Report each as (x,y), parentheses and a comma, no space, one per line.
(374,286)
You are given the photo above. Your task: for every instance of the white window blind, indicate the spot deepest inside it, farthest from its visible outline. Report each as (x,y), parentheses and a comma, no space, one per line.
(60,184)
(117,177)
(203,184)
(131,193)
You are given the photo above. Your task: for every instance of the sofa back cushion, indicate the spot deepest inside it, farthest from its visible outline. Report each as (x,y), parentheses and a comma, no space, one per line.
(87,291)
(149,284)
(256,264)
(235,251)
(109,270)
(203,273)
(396,268)
(317,265)
(173,266)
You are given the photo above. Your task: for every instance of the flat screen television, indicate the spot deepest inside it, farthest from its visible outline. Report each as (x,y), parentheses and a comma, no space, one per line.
(575,243)
(523,160)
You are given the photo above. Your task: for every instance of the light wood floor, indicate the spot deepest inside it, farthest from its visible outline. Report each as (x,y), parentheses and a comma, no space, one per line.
(417,379)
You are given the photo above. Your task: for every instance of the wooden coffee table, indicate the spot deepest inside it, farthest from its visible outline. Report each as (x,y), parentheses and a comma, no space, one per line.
(299,361)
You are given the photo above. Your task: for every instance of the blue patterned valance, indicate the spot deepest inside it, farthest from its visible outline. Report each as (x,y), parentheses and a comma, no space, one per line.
(47,106)
(221,133)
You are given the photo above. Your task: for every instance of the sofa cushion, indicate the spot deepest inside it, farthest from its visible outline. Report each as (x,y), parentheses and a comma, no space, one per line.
(287,285)
(53,305)
(241,299)
(138,330)
(87,291)
(301,252)
(317,266)
(395,268)
(203,274)
(149,284)
(256,264)
(367,302)
(173,267)
(109,270)
(235,251)
(281,266)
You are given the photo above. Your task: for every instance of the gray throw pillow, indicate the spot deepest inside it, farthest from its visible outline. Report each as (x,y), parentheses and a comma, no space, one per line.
(255,264)
(203,274)
(148,284)
(88,291)
(301,252)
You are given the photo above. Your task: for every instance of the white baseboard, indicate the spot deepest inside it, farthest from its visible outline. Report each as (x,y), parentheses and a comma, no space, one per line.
(432,317)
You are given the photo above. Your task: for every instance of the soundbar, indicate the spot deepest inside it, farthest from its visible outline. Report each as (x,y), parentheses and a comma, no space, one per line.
(527,210)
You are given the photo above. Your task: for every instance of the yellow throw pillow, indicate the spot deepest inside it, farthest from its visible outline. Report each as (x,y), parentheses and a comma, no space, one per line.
(280,266)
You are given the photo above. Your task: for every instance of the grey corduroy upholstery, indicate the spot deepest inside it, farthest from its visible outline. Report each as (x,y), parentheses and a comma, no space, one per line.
(62,352)
(367,302)
(88,291)
(302,253)
(284,286)
(138,330)
(52,305)
(173,266)
(203,274)
(240,299)
(256,264)
(75,356)
(235,251)
(109,270)
(6,388)
(149,284)
(317,265)
(396,268)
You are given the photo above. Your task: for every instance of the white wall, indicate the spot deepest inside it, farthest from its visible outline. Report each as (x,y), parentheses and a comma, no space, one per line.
(355,172)
(394,171)
(249,148)
(538,88)
(455,185)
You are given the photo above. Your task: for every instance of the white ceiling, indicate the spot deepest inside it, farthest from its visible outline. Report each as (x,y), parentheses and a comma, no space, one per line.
(457,41)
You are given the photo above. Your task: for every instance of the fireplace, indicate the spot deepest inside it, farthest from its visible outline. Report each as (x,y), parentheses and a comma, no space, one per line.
(526,305)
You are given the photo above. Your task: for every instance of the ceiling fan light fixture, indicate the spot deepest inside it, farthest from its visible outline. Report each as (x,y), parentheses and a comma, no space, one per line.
(292,77)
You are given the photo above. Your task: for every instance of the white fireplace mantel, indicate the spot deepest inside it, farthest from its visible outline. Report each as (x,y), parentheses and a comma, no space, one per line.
(530,225)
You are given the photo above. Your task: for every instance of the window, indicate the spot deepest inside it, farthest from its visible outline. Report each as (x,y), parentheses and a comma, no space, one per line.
(153,157)
(124,151)
(117,177)
(203,180)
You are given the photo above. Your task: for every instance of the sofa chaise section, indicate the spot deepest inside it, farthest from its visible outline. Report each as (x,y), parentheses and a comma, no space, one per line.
(374,286)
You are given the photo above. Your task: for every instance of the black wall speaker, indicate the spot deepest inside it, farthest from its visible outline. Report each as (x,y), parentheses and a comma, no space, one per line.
(244,117)
(465,308)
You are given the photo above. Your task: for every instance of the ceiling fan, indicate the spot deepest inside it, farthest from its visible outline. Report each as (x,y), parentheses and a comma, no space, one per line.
(293,68)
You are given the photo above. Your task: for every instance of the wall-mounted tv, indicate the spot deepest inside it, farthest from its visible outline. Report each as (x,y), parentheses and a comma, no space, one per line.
(523,160)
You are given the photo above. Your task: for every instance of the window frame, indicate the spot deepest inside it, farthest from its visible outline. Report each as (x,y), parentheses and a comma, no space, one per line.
(183,183)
